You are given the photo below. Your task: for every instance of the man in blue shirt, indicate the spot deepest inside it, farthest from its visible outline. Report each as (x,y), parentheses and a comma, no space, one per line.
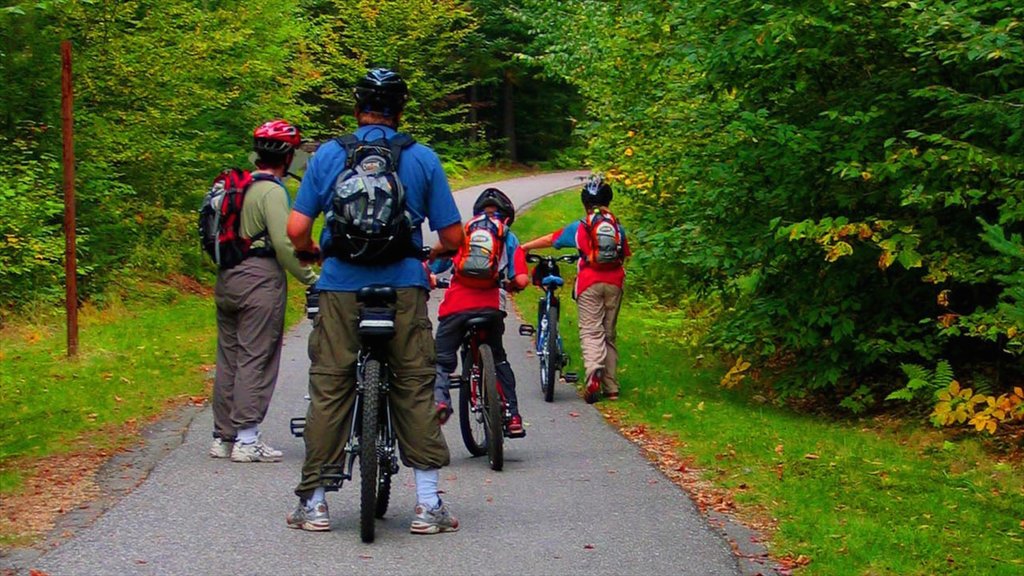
(334,343)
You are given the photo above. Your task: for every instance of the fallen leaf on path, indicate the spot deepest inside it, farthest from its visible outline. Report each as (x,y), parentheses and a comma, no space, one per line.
(490,499)
(365,557)
(811,456)
(588,546)
(141,562)
(34,572)
(613,471)
(574,414)
(778,449)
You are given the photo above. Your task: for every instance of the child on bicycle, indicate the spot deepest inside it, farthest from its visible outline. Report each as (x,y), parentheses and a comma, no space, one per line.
(601,242)
(489,261)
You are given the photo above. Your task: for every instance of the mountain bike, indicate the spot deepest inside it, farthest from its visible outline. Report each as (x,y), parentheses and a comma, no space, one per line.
(372,438)
(483,410)
(549,349)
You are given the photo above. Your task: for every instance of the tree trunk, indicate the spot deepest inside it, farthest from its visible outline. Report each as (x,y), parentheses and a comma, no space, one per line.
(474,119)
(509,118)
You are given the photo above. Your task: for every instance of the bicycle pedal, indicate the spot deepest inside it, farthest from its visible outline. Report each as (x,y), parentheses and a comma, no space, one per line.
(571,377)
(454,381)
(526,330)
(298,426)
(332,476)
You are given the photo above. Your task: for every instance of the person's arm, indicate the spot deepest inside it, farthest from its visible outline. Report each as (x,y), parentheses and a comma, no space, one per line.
(521,277)
(304,211)
(450,238)
(275,210)
(546,241)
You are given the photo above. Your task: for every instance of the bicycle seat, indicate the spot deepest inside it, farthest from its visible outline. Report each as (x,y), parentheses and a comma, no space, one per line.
(376,296)
(552,281)
(484,321)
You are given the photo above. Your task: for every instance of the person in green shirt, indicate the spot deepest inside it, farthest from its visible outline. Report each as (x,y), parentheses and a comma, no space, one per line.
(251,300)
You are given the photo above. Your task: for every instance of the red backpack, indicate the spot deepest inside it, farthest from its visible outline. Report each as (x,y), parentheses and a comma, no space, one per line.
(478,263)
(220,218)
(603,247)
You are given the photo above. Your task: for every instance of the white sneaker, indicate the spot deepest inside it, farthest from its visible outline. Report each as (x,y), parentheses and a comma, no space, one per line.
(220,448)
(255,452)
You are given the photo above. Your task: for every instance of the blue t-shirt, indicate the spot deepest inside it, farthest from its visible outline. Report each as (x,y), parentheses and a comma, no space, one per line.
(427,197)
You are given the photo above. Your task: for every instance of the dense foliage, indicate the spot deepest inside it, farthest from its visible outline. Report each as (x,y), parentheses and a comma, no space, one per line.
(168,92)
(845,177)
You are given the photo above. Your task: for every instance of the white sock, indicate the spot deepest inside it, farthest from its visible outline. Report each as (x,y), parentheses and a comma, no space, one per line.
(319,495)
(426,487)
(248,435)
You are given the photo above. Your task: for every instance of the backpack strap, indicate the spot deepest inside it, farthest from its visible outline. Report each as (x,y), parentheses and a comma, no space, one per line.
(398,143)
(348,143)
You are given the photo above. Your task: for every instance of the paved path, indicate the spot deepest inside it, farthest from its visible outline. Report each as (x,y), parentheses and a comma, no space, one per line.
(574,498)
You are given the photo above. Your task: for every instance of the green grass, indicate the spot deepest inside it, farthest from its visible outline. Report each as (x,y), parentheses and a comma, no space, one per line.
(881,497)
(133,360)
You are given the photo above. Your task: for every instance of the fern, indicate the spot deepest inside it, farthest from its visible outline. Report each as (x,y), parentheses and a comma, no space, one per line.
(922,383)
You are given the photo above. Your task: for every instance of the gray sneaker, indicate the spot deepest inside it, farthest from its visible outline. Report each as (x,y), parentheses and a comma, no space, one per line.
(313,519)
(220,448)
(255,452)
(433,521)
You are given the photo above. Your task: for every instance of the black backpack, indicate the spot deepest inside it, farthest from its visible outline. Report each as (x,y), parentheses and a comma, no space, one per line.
(220,219)
(367,218)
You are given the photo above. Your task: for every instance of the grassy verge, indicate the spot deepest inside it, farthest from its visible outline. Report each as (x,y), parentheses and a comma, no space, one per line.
(872,496)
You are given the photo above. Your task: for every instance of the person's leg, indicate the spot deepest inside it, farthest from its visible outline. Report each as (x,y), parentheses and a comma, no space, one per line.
(261,329)
(224,376)
(333,347)
(506,378)
(590,316)
(612,305)
(413,360)
(448,338)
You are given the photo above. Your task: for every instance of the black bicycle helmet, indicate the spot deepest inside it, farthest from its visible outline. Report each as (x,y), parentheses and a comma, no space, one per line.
(596,192)
(498,199)
(381,91)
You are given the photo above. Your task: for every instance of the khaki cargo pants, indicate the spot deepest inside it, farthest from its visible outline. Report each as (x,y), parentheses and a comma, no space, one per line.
(333,348)
(598,312)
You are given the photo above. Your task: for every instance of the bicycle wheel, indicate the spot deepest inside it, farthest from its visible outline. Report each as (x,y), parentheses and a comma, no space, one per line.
(383,490)
(384,470)
(552,356)
(368,449)
(492,410)
(471,414)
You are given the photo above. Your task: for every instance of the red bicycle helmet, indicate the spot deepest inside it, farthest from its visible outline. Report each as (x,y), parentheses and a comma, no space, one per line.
(276,137)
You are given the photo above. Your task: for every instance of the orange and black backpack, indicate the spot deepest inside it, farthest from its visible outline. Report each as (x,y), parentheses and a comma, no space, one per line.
(604,247)
(479,261)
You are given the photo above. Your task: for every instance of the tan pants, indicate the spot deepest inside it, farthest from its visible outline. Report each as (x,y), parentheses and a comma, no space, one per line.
(333,347)
(598,310)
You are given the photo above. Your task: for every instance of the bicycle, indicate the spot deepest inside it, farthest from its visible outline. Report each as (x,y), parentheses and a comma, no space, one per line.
(372,438)
(483,410)
(549,348)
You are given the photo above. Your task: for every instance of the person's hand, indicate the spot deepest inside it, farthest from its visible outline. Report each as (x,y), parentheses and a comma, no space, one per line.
(308,257)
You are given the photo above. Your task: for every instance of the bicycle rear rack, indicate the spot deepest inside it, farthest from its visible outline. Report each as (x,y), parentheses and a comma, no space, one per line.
(298,426)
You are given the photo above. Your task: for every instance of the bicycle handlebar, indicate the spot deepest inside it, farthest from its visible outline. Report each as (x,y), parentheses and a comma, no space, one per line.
(570,258)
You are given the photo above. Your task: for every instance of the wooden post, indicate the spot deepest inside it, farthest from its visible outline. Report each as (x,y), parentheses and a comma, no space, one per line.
(70,268)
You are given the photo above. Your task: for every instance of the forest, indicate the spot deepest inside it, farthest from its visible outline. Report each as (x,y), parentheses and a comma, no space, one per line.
(835,189)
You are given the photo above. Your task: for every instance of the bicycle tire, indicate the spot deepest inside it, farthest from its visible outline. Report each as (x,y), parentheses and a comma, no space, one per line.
(383,491)
(553,355)
(493,410)
(472,424)
(368,465)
